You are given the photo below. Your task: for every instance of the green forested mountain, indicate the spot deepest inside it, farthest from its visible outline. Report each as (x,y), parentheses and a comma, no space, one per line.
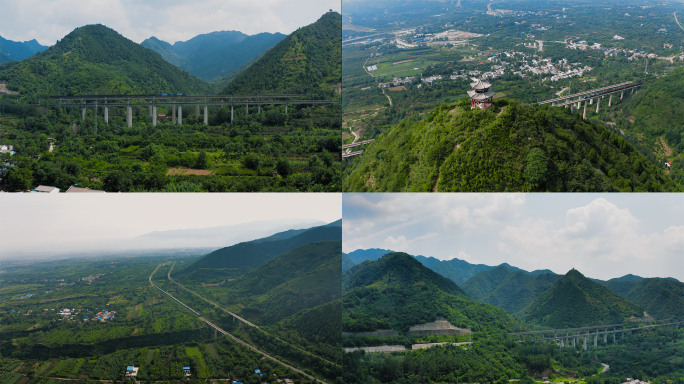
(661,298)
(575,301)
(397,291)
(509,288)
(308,61)
(511,147)
(96,59)
(621,285)
(654,118)
(304,277)
(347,262)
(240,258)
(456,270)
(213,55)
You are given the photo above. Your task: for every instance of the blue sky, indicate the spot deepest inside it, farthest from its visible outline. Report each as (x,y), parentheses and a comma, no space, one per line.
(170,20)
(602,235)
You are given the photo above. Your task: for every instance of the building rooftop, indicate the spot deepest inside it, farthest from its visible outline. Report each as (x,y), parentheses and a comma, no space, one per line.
(480,85)
(46,189)
(75,189)
(480,95)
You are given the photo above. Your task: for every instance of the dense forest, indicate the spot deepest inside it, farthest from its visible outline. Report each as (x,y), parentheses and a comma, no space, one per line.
(512,147)
(308,62)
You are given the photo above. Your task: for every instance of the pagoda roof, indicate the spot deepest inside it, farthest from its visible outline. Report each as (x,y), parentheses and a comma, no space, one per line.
(480,95)
(479,85)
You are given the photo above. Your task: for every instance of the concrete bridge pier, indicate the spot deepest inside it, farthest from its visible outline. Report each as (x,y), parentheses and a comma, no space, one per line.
(286,109)
(206,115)
(246,109)
(622,93)
(83,113)
(129,116)
(613,338)
(106,114)
(173,114)
(585,343)
(259,109)
(596,340)
(605,338)
(591,101)
(574,339)
(561,343)
(197,110)
(584,114)
(610,100)
(598,104)
(154,115)
(150,110)
(231,114)
(180,115)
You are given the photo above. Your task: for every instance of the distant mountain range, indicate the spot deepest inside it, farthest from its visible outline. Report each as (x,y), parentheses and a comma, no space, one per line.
(214,55)
(96,59)
(545,298)
(396,292)
(307,61)
(237,260)
(17,51)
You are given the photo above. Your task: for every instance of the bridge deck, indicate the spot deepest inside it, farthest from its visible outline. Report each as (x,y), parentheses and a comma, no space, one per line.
(591,94)
(358,143)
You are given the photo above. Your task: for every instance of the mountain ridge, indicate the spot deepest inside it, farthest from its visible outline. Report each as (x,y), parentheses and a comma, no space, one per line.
(96,59)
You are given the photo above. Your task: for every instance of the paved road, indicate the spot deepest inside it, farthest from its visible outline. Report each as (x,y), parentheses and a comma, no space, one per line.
(241,319)
(237,340)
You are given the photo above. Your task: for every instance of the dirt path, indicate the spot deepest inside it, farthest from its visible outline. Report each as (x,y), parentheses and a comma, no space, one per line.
(365,68)
(5,91)
(668,150)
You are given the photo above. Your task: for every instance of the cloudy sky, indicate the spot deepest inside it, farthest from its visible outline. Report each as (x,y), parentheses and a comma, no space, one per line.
(170,20)
(34,225)
(602,235)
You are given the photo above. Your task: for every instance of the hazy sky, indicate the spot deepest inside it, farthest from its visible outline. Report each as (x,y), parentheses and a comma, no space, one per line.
(602,235)
(170,20)
(82,222)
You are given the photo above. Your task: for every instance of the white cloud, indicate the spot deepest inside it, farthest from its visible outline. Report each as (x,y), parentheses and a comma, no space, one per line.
(169,20)
(399,243)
